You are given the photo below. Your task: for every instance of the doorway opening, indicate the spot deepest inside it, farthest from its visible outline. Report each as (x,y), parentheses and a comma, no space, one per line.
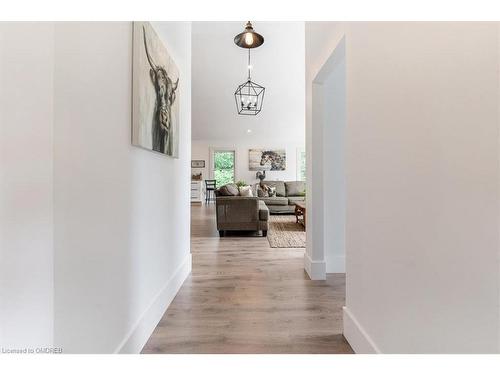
(325,251)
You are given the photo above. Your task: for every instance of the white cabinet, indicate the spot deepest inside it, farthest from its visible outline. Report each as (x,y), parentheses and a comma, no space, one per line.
(196,191)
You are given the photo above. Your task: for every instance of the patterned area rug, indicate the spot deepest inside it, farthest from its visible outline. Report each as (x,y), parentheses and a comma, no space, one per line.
(285,232)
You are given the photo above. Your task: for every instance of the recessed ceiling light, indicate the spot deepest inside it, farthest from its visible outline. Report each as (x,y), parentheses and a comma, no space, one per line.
(249,130)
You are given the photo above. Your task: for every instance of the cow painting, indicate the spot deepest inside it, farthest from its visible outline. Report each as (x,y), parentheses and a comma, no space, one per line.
(155,93)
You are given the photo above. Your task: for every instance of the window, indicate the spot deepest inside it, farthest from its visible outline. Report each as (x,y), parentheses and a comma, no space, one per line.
(223,167)
(301,164)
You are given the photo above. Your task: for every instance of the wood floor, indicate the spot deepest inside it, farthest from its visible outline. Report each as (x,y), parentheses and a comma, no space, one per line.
(245,297)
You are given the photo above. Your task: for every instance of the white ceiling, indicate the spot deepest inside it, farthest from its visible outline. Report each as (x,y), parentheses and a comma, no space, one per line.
(219,66)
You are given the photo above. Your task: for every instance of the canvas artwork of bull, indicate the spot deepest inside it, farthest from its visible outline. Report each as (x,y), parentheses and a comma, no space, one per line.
(155,93)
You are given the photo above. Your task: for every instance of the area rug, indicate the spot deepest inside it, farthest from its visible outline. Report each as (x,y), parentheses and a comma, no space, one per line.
(284,231)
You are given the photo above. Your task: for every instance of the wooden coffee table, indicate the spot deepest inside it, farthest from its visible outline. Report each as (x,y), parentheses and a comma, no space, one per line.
(300,213)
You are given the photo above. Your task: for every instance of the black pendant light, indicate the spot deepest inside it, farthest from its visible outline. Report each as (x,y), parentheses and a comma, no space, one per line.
(249,96)
(249,38)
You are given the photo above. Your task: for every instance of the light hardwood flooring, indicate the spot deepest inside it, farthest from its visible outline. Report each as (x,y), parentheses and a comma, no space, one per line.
(246,297)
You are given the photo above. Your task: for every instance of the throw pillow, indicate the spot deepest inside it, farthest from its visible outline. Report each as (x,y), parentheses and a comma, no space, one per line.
(223,191)
(233,189)
(246,191)
(280,187)
(229,190)
(295,188)
(271,191)
(262,191)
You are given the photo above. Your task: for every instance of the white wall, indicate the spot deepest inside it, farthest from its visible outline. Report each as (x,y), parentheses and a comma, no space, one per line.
(422,184)
(201,151)
(26,214)
(334,197)
(94,232)
(320,42)
(121,213)
(325,247)
(498,258)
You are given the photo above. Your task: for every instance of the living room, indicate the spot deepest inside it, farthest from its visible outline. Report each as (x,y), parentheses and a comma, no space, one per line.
(257,149)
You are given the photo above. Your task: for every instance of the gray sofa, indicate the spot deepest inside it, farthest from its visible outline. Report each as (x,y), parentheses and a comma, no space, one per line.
(236,213)
(287,194)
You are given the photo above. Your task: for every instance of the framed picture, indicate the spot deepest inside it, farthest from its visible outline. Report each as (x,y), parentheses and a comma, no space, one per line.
(155,93)
(196,176)
(197,163)
(266,160)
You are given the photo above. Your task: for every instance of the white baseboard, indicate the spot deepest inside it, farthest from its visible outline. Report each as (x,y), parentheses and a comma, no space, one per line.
(335,264)
(316,269)
(144,327)
(357,337)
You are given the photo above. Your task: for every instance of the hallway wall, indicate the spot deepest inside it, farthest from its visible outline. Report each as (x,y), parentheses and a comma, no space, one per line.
(334,173)
(26,211)
(422,183)
(121,213)
(321,38)
(94,233)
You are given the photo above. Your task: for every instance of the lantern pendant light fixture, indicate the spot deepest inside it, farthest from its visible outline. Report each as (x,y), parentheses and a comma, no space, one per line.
(249,96)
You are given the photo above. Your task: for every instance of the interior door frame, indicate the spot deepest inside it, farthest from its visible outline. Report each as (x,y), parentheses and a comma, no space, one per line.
(211,166)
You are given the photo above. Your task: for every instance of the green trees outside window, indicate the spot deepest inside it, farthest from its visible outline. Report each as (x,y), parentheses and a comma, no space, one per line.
(224,167)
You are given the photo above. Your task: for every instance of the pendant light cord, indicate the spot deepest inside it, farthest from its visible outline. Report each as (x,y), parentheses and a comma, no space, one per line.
(249,78)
